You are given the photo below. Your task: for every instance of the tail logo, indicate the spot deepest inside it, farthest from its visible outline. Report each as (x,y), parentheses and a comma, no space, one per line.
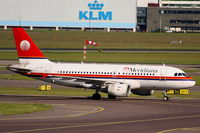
(25,45)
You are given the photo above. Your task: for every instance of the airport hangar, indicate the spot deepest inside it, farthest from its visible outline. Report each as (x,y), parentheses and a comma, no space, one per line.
(68,14)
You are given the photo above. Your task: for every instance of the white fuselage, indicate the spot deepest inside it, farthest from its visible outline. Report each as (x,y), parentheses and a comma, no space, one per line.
(139,76)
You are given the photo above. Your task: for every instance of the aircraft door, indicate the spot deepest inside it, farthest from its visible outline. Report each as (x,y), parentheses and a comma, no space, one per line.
(163,72)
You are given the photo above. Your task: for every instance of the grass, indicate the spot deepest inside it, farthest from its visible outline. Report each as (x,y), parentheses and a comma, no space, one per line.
(112,40)
(14,77)
(118,57)
(158,94)
(63,92)
(18,108)
(197,79)
(3,67)
(81,92)
(191,70)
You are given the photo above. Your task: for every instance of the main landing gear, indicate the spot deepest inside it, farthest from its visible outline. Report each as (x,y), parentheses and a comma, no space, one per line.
(111,96)
(96,96)
(165,97)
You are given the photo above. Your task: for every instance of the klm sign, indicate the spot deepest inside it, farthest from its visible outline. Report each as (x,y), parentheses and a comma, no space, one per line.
(94,13)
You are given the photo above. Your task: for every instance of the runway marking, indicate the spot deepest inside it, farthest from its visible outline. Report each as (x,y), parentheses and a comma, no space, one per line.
(105,123)
(179,129)
(81,113)
(172,103)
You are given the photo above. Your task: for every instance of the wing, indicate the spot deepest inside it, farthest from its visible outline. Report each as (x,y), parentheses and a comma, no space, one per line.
(95,82)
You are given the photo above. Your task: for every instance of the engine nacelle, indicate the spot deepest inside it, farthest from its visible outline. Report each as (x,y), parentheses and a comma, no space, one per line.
(119,90)
(133,84)
(142,92)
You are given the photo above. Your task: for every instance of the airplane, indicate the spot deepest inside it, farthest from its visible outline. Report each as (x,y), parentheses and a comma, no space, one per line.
(118,80)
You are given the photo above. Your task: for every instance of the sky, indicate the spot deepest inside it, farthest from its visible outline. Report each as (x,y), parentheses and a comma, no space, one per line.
(144,3)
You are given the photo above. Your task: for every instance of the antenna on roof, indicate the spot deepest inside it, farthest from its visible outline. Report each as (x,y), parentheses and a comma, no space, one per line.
(163,64)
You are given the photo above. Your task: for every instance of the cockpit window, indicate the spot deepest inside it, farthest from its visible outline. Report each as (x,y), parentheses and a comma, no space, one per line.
(180,74)
(184,74)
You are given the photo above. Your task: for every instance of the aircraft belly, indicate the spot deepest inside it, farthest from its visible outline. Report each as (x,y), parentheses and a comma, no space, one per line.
(162,84)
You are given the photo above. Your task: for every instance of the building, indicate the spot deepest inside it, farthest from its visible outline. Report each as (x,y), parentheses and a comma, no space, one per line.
(142,14)
(82,14)
(144,3)
(180,3)
(174,15)
(141,19)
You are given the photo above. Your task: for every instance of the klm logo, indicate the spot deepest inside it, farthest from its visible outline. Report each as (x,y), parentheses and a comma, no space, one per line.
(94,13)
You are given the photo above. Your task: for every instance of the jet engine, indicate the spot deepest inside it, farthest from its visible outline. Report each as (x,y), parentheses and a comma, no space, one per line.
(142,92)
(133,84)
(119,90)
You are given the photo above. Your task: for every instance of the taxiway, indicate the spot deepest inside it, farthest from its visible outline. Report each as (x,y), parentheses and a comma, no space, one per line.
(78,114)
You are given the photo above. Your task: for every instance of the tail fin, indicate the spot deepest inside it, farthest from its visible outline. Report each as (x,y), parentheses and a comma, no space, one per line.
(26,48)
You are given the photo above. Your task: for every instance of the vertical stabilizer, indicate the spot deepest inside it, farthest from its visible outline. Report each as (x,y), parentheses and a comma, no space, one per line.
(27,50)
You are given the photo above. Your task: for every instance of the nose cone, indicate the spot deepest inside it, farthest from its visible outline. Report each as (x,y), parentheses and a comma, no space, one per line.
(191,84)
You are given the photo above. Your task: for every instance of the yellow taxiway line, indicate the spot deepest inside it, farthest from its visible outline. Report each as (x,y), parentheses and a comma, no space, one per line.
(181,129)
(105,123)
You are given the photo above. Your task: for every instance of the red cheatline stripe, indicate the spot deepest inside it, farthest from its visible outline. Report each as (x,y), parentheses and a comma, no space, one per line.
(113,76)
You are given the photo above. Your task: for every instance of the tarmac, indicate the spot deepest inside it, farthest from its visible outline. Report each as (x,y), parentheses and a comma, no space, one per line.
(80,114)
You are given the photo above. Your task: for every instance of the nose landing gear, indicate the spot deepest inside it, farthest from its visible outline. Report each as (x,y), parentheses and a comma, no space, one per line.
(165,97)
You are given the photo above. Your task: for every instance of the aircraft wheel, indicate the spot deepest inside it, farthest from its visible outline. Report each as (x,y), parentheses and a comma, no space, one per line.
(165,98)
(111,97)
(96,96)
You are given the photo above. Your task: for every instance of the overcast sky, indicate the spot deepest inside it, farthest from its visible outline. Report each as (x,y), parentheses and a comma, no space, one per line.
(144,3)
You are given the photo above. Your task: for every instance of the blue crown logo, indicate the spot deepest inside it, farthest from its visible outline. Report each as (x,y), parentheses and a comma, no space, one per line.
(95,5)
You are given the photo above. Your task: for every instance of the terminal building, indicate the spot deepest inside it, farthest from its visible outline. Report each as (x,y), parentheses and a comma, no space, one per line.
(174,16)
(180,3)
